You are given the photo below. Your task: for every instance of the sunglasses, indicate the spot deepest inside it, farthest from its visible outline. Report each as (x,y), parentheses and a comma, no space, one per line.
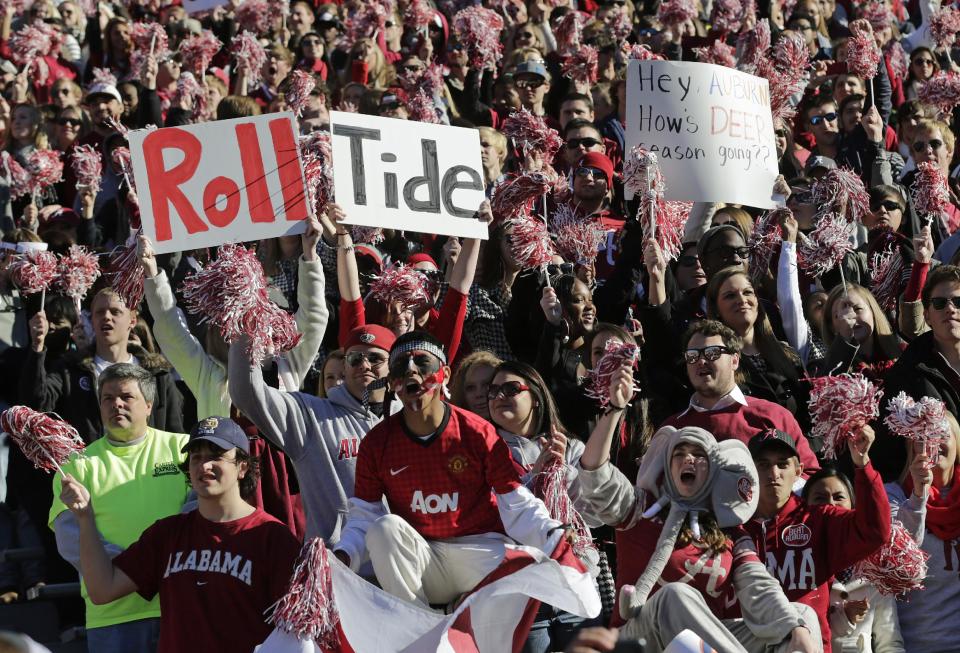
(596,173)
(924,62)
(729,251)
(889,205)
(355,358)
(310,42)
(710,354)
(432,275)
(829,117)
(688,261)
(529,83)
(781,133)
(574,143)
(389,23)
(63,122)
(934,143)
(940,303)
(507,390)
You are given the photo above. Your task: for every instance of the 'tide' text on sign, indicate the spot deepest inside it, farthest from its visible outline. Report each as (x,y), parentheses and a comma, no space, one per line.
(219,182)
(407,175)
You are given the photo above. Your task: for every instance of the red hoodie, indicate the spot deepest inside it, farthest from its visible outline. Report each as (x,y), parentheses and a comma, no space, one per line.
(805,546)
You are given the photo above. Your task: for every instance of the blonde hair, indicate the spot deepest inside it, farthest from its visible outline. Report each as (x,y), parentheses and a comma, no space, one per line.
(738,217)
(459,381)
(498,140)
(931,124)
(885,341)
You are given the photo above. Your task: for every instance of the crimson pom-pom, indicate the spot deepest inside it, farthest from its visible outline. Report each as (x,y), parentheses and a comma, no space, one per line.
(765,239)
(921,421)
(198,50)
(191,92)
(530,243)
(317,157)
(272,330)
(581,66)
(418,15)
(676,12)
(422,108)
(786,71)
(839,406)
(34,271)
(478,29)
(551,486)
(826,245)
(296,89)
(944,26)
(125,273)
(876,13)
(530,132)
(32,41)
(87,166)
(366,235)
(615,355)
(886,273)
(76,273)
(898,59)
(147,35)
(46,442)
(569,32)
(941,91)
(16,176)
(640,52)
(718,53)
(402,285)
(619,27)
(577,238)
(753,45)
(863,54)
(254,16)
(842,191)
(726,16)
(515,196)
(898,567)
(248,53)
(102,76)
(929,191)
(308,610)
(45,168)
(365,23)
(661,219)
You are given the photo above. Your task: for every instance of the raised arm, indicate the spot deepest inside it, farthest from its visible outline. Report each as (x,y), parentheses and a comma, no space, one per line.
(461,277)
(788,291)
(348,278)
(312,313)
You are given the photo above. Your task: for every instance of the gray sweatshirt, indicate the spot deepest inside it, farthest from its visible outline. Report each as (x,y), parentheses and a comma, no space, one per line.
(929,618)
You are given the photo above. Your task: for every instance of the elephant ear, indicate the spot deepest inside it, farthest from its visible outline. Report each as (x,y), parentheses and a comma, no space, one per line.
(736,488)
(655,461)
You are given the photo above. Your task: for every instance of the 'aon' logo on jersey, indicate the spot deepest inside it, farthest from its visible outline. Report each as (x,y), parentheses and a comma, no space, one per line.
(787,574)
(434,503)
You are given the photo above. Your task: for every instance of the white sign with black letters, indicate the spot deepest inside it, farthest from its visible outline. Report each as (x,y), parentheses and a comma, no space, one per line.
(400,174)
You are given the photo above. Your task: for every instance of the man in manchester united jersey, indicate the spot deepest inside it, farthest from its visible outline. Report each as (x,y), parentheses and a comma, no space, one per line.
(453,494)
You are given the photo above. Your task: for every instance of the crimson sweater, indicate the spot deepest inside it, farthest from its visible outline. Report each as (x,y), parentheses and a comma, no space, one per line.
(740,422)
(804,546)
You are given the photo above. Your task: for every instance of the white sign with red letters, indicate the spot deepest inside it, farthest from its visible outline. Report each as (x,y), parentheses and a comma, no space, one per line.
(219,182)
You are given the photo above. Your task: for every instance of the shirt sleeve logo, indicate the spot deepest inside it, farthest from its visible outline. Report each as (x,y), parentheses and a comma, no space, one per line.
(745,489)
(796,535)
(85,384)
(457,464)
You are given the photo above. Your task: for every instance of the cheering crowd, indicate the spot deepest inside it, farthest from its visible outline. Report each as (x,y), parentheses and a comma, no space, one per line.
(733,421)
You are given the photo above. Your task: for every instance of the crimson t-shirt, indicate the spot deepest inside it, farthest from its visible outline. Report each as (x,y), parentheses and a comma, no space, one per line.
(215,580)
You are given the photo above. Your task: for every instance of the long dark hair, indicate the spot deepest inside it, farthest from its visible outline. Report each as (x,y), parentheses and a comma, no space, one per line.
(546,416)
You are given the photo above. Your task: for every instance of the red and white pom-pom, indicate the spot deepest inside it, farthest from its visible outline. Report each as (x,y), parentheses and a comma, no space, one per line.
(791,53)
(640,52)
(676,12)
(247,51)
(839,406)
(366,235)
(418,15)
(402,285)
(863,54)
(34,271)
(898,567)
(192,93)
(516,196)
(125,273)
(931,196)
(842,191)
(726,16)
(619,27)
(297,88)
(87,166)
(45,168)
(32,41)
(17,178)
(317,157)
(878,14)
(921,421)
(198,50)
(672,218)
(478,29)
(944,26)
(551,486)
(44,441)
(577,238)
(120,157)
(272,330)
(662,219)
(422,108)
(941,91)
(77,272)
(569,32)
(150,35)
(826,246)
(786,71)
(102,76)
(898,59)
(764,241)
(581,66)
(753,46)
(255,16)
(307,610)
(641,173)
(226,289)
(530,243)
(365,23)
(886,277)
(718,53)
(615,355)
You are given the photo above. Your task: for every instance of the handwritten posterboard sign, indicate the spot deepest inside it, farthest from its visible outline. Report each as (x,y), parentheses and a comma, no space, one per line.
(401,174)
(710,127)
(219,182)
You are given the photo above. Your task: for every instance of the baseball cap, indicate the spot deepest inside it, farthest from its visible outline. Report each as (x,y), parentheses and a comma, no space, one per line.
(600,161)
(372,335)
(392,98)
(221,431)
(102,88)
(772,438)
(421,257)
(532,67)
(815,162)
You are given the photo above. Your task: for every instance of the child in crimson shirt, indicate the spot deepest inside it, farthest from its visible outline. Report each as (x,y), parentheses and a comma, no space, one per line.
(454,496)
(226,557)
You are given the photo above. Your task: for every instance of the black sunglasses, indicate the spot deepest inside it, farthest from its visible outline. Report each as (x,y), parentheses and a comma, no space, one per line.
(711,353)
(889,205)
(729,251)
(529,83)
(940,303)
(355,358)
(829,117)
(63,122)
(688,261)
(780,133)
(934,143)
(508,389)
(574,143)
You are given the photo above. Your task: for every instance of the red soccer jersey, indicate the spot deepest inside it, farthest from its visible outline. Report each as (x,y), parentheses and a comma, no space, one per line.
(444,486)
(215,580)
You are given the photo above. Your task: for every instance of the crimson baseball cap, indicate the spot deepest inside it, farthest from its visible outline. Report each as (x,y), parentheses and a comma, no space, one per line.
(421,257)
(221,431)
(772,438)
(600,161)
(372,335)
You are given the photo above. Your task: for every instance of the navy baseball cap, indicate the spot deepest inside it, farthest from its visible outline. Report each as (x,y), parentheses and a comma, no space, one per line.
(221,431)
(772,438)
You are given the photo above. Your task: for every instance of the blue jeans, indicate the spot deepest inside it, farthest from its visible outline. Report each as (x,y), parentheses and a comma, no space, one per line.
(553,629)
(141,636)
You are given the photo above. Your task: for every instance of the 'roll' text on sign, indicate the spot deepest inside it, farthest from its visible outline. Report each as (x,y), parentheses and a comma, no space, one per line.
(219,182)
(401,174)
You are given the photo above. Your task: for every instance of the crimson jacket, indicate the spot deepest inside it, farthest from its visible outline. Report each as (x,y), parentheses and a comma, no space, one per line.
(805,546)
